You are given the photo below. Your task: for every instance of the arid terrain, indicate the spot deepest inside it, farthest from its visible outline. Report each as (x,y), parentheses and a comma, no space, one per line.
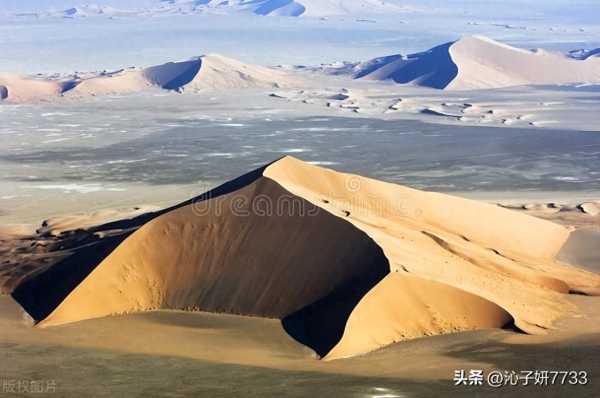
(297,198)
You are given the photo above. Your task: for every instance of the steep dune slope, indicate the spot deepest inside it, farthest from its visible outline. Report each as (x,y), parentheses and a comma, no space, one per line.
(235,254)
(173,75)
(433,68)
(331,255)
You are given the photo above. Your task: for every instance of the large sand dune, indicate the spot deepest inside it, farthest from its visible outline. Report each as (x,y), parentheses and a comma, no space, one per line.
(330,254)
(206,72)
(478,62)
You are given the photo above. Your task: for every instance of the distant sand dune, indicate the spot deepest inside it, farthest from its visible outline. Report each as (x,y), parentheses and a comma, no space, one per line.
(477,62)
(291,8)
(205,72)
(286,8)
(349,264)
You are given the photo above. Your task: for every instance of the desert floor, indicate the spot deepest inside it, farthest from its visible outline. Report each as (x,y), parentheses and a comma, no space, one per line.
(196,354)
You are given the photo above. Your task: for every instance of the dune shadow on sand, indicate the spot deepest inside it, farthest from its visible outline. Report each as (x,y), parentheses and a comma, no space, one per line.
(321,325)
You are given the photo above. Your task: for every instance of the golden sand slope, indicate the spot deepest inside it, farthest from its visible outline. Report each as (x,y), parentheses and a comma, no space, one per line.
(404,307)
(501,256)
(349,264)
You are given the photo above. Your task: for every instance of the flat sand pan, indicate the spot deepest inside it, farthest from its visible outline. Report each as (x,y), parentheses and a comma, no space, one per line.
(198,354)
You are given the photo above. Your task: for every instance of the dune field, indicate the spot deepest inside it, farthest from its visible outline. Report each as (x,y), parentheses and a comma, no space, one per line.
(532,88)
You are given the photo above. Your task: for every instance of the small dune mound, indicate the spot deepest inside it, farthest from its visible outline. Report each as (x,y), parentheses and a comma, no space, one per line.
(348,264)
(20,89)
(120,82)
(403,307)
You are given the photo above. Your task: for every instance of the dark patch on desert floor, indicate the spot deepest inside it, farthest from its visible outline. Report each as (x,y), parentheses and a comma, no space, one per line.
(431,156)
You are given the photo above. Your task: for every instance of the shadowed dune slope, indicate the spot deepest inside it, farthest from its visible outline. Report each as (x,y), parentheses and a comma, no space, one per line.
(173,75)
(286,8)
(256,251)
(433,68)
(41,291)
